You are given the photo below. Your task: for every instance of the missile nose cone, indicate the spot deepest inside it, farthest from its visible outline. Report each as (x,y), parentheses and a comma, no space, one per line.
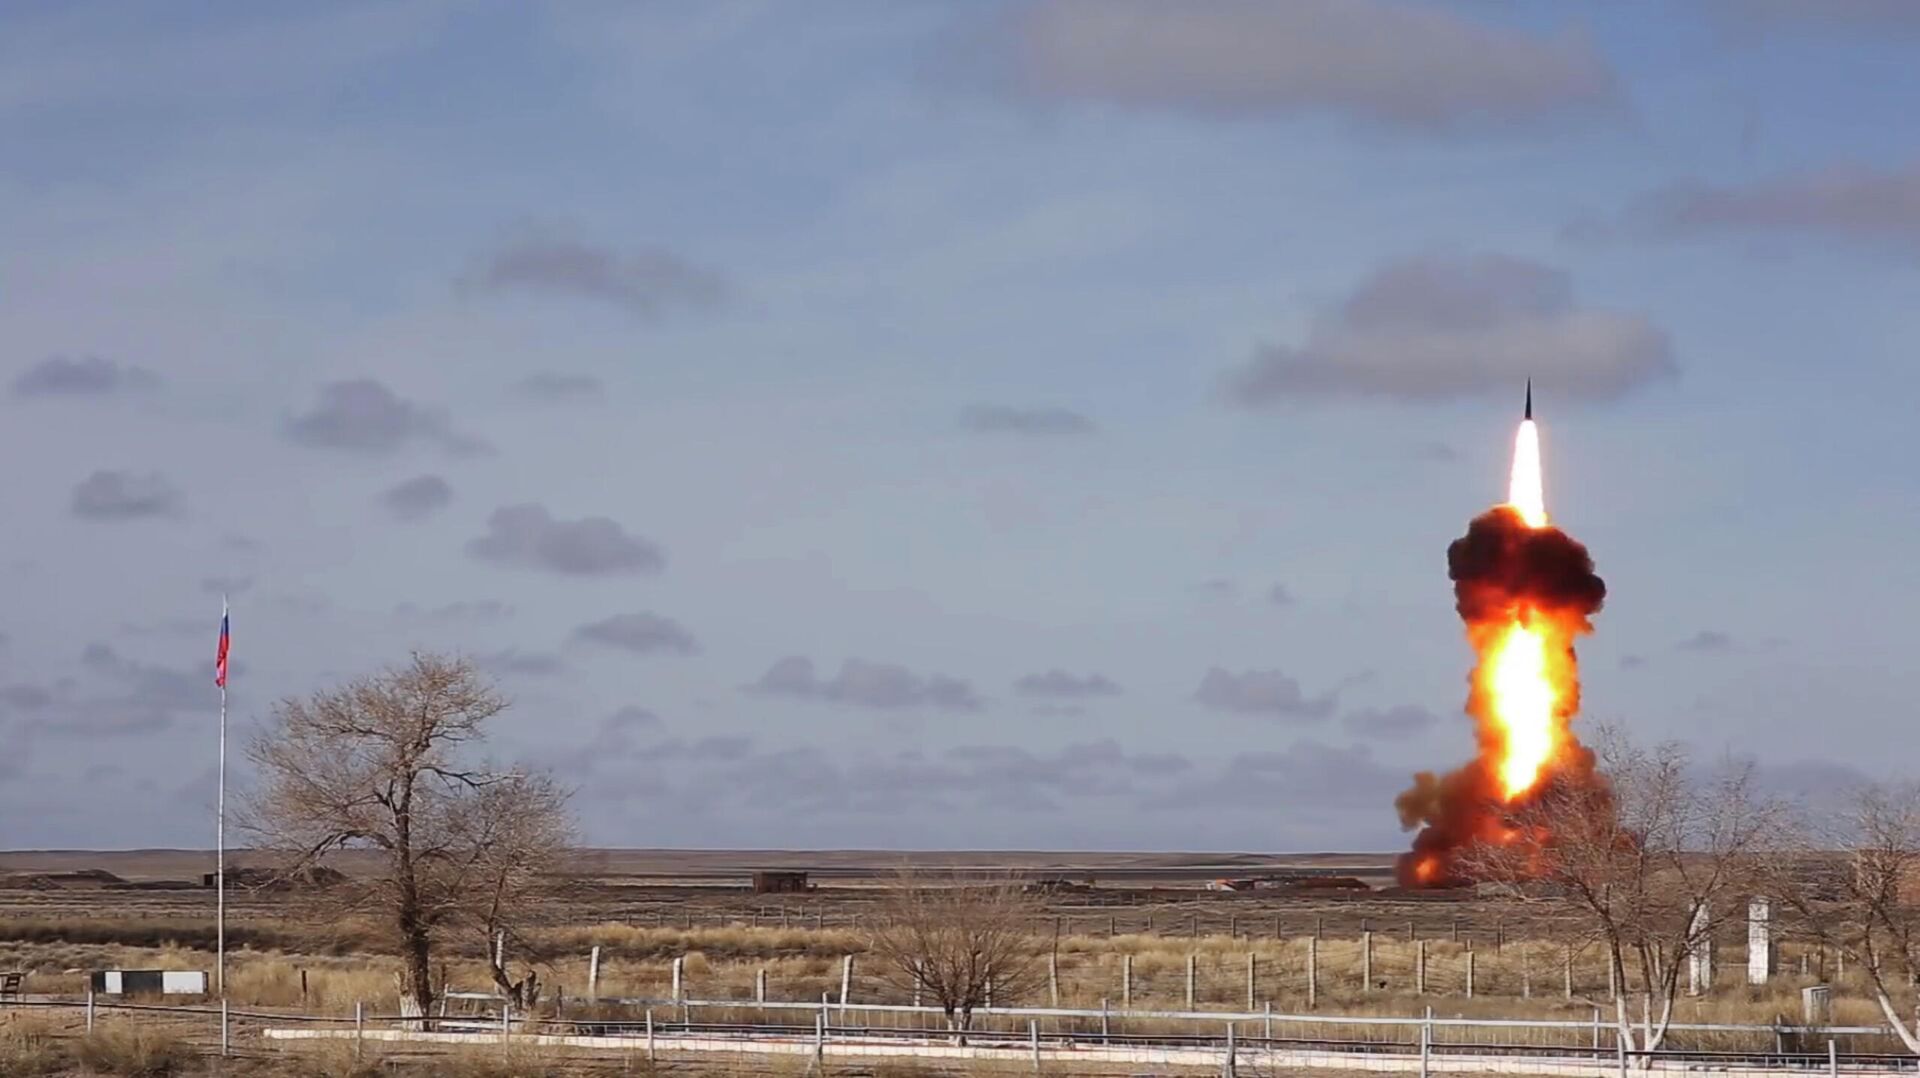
(1529,411)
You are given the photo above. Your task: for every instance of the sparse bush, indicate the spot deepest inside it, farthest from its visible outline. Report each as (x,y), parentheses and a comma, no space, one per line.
(30,1047)
(333,1059)
(134,1051)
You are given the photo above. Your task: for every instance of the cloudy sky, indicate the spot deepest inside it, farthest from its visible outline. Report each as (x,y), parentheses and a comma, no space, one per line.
(944,425)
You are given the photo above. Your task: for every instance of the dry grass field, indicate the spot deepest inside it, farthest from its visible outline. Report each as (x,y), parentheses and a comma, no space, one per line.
(1147,913)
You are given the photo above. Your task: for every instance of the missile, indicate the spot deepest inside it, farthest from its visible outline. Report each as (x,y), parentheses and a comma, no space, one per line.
(1528,414)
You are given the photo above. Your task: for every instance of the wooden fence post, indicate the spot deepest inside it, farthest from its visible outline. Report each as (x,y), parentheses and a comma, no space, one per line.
(1568,971)
(1420,968)
(1313,971)
(1193,965)
(1469,974)
(1253,979)
(1366,960)
(1053,978)
(1126,982)
(760,985)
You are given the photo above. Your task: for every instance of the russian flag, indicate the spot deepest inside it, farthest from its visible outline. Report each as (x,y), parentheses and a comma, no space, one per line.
(220,656)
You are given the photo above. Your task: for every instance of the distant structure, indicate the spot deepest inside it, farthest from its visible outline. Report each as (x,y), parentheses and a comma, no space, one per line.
(780,883)
(145,982)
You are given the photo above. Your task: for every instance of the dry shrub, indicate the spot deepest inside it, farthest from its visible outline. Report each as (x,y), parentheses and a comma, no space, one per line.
(134,1051)
(333,1059)
(30,1047)
(508,1061)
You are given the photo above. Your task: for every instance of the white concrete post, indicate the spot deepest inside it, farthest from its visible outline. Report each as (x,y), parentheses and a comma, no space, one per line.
(1567,972)
(89,1009)
(1033,1036)
(1053,978)
(760,985)
(1760,946)
(1106,1027)
(650,1053)
(500,950)
(359,1027)
(1227,1069)
(225,1038)
(1269,1023)
(679,986)
(1833,1060)
(1700,953)
(1426,1042)
(1469,974)
(593,973)
(846,980)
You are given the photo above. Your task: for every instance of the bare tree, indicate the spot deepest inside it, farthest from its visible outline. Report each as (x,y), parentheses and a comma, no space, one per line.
(1640,861)
(961,943)
(1854,880)
(389,763)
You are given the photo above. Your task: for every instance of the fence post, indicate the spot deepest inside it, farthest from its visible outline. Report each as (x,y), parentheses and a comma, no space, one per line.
(1053,978)
(1833,1060)
(1313,971)
(1105,1026)
(1620,1054)
(1126,982)
(1410,935)
(760,986)
(678,987)
(1319,927)
(1596,1027)
(1033,1036)
(1613,985)
(846,982)
(1233,926)
(1526,977)
(1112,923)
(506,1021)
(500,950)
(1366,960)
(650,1054)
(1269,1010)
(820,1039)
(225,1035)
(1426,1042)
(1469,974)
(1568,969)
(89,1010)
(1253,979)
(1227,1071)
(1193,968)
(593,973)
(1420,968)
(359,1027)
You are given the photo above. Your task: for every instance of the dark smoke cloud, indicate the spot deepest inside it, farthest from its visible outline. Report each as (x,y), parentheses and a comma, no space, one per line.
(1501,561)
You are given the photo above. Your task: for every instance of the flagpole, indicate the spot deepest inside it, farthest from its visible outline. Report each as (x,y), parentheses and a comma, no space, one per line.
(220,830)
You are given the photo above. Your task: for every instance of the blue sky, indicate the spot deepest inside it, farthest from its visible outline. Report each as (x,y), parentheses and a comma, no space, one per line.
(894,424)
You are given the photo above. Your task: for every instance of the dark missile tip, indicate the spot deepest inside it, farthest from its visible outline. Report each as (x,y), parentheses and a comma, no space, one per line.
(1529,411)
